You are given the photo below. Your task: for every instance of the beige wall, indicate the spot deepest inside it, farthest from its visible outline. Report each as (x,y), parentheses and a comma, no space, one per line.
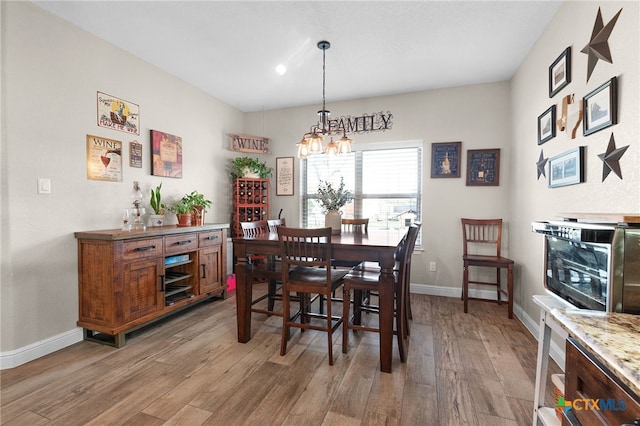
(51,72)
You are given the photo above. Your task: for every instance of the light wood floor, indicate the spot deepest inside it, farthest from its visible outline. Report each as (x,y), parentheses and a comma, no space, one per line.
(462,369)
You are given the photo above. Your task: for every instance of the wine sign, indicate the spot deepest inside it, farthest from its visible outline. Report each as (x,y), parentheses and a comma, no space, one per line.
(104,159)
(251,144)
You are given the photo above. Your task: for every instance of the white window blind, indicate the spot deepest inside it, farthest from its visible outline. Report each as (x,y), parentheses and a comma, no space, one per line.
(386,183)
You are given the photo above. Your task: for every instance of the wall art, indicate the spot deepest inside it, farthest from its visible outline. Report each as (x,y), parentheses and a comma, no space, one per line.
(166,154)
(611,159)
(445,159)
(135,154)
(567,168)
(104,159)
(541,165)
(560,72)
(547,125)
(284,176)
(598,46)
(600,107)
(483,167)
(118,114)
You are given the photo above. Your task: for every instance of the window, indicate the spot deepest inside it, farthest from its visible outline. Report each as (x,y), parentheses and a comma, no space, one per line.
(386,183)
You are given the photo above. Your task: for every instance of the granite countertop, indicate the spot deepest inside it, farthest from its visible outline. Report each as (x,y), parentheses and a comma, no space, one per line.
(612,338)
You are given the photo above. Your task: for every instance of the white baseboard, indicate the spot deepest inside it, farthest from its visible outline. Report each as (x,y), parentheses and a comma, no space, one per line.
(11,359)
(556,352)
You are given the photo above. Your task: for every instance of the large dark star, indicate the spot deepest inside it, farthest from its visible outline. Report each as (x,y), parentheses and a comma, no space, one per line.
(611,159)
(598,47)
(542,162)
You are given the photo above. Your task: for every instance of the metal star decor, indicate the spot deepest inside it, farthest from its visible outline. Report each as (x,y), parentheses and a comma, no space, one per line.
(542,162)
(598,47)
(611,159)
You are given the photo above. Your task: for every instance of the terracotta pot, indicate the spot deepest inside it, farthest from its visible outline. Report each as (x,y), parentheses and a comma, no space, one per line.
(197,218)
(184,219)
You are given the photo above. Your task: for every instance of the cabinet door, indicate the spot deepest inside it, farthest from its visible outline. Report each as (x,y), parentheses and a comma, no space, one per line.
(210,270)
(143,289)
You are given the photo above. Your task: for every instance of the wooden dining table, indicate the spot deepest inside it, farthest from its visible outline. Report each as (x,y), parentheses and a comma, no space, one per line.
(374,246)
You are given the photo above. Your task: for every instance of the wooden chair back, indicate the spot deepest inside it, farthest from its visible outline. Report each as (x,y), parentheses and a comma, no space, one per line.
(274,223)
(356,225)
(481,237)
(252,229)
(305,247)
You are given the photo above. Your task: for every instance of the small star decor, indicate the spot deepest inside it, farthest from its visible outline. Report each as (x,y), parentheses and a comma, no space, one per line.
(598,46)
(541,164)
(611,159)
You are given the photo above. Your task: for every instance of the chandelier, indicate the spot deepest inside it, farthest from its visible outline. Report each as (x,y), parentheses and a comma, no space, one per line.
(312,141)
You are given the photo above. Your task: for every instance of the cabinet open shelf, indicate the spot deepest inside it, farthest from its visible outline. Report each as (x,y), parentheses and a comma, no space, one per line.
(172,277)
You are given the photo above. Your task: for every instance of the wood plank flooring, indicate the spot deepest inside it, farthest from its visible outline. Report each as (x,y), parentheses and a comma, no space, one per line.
(462,369)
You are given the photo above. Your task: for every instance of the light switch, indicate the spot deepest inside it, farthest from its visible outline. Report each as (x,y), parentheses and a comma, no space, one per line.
(44,186)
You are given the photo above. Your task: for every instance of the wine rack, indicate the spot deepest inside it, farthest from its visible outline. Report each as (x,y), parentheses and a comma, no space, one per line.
(250,202)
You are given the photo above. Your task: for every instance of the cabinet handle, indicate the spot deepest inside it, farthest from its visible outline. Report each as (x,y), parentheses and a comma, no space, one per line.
(636,422)
(212,238)
(145,248)
(180,243)
(161,282)
(204,271)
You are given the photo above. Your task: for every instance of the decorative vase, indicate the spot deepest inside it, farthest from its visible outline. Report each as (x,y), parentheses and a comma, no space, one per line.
(248,173)
(333,219)
(156,220)
(198,216)
(184,219)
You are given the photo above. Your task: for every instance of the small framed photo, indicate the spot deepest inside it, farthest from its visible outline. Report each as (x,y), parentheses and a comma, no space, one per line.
(483,167)
(547,125)
(284,176)
(445,159)
(567,168)
(560,72)
(600,107)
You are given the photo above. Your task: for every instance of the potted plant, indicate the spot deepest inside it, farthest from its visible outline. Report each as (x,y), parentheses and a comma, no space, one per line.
(183,211)
(198,204)
(250,168)
(332,199)
(158,207)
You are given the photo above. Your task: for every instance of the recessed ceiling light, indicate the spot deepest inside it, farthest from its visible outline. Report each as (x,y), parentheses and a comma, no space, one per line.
(281,69)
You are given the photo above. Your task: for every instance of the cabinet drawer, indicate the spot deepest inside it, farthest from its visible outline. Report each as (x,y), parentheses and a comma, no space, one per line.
(211,238)
(180,243)
(588,379)
(139,249)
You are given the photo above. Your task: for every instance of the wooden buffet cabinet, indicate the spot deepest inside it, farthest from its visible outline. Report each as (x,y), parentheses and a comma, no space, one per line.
(130,278)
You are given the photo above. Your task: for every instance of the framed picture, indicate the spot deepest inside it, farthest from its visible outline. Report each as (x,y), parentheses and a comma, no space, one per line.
(166,155)
(118,114)
(483,167)
(600,107)
(547,125)
(560,72)
(104,159)
(567,168)
(445,159)
(284,176)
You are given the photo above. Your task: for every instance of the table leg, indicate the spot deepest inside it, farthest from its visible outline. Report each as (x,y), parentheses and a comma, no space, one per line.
(386,303)
(243,294)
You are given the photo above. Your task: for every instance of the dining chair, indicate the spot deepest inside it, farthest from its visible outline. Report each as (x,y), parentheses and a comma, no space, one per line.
(482,242)
(274,223)
(360,281)
(306,270)
(355,225)
(264,268)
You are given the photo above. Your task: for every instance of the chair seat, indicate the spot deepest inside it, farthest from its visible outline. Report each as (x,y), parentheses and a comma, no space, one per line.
(316,276)
(490,261)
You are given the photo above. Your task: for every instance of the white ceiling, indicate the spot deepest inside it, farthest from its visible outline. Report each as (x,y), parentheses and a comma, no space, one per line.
(230,49)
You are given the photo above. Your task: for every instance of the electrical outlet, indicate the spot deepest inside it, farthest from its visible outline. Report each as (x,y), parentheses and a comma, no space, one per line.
(432,266)
(44,186)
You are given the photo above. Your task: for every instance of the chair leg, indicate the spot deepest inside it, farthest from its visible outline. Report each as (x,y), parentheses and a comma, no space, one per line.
(400,313)
(465,288)
(285,320)
(510,290)
(329,330)
(498,286)
(346,297)
(272,292)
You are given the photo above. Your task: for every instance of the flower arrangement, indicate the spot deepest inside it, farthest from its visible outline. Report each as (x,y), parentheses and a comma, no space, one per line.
(331,198)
